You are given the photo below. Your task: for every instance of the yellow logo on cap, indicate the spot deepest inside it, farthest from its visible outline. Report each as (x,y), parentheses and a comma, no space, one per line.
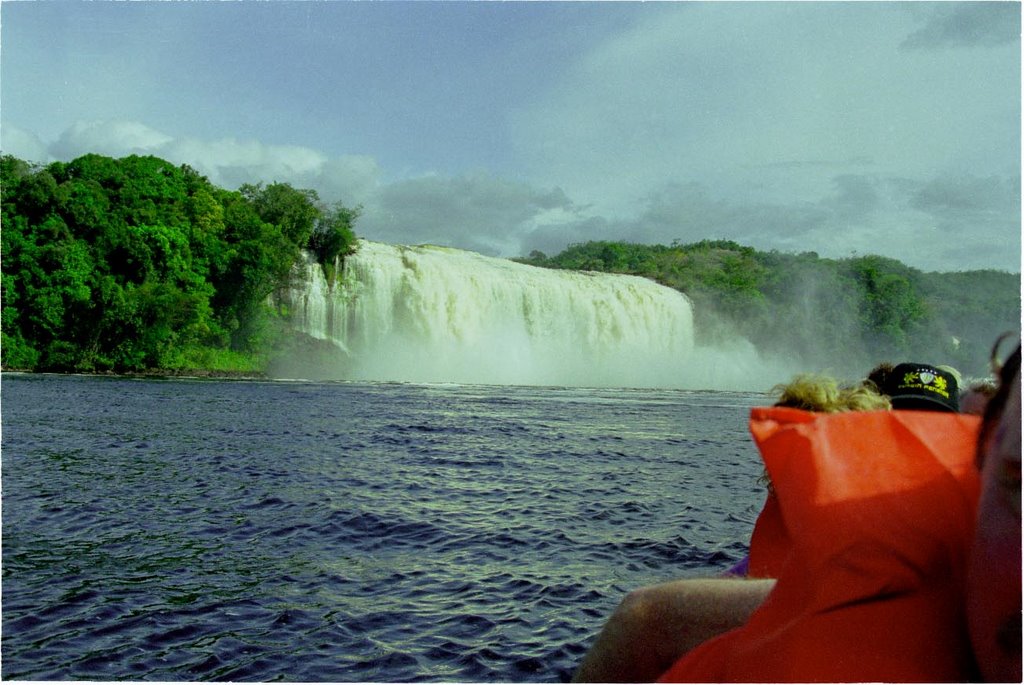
(926,380)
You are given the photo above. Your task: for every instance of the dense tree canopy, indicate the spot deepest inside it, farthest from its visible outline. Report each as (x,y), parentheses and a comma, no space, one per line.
(134,263)
(841,315)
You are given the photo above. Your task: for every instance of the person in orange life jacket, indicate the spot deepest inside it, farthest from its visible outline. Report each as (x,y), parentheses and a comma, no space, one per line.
(910,385)
(658,623)
(889,601)
(810,392)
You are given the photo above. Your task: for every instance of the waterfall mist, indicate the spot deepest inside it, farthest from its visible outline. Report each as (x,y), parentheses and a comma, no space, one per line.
(441,315)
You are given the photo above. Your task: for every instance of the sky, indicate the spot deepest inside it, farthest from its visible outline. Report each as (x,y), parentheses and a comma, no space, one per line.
(842,128)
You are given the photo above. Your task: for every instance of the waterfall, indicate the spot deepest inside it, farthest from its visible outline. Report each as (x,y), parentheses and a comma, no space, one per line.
(434,314)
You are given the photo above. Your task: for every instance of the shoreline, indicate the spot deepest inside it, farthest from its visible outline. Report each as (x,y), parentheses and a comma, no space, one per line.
(201,374)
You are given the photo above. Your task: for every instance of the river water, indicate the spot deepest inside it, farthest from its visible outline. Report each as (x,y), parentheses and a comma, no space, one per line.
(187,530)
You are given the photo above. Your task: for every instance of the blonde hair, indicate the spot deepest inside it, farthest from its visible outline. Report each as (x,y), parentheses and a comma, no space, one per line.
(813,392)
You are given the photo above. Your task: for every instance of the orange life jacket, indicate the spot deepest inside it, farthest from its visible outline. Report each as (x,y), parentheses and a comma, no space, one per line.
(769,543)
(868,536)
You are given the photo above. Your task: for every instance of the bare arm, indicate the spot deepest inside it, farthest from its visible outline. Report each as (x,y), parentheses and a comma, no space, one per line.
(655,625)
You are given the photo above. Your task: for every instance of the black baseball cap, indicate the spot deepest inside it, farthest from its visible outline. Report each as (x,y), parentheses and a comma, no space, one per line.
(922,386)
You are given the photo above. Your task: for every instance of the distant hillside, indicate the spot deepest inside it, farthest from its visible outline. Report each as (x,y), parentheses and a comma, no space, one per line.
(842,315)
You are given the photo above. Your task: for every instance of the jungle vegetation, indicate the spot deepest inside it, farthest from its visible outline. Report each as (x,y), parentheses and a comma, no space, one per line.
(134,264)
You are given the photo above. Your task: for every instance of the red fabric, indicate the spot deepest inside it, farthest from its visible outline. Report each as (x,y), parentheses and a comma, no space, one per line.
(879,511)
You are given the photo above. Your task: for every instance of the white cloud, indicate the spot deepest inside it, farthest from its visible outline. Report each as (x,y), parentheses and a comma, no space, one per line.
(230,162)
(22,144)
(227,162)
(231,153)
(112,138)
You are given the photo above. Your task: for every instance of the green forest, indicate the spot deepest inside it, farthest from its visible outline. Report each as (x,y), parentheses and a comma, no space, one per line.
(840,315)
(134,264)
(137,265)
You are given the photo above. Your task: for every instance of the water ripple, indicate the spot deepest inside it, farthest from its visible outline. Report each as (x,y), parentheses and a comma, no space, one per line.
(186,530)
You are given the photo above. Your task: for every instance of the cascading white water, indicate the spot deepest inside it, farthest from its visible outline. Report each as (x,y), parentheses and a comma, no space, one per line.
(433,314)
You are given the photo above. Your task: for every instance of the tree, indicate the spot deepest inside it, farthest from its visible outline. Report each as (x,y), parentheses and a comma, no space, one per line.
(890,307)
(334,235)
(293,212)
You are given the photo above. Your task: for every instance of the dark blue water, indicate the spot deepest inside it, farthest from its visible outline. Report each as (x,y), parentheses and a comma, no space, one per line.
(261,531)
